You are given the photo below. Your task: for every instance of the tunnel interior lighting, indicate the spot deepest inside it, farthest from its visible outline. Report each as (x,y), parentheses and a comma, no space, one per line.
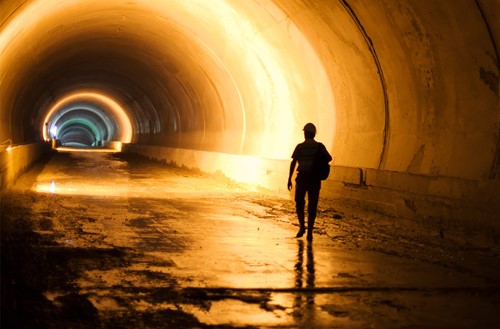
(7,145)
(87,119)
(53,131)
(86,149)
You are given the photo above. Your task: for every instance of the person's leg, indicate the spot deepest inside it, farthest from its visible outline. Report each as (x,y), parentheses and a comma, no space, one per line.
(312,206)
(300,202)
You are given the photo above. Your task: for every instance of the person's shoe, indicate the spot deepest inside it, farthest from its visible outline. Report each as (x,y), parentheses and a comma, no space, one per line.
(301,232)
(309,236)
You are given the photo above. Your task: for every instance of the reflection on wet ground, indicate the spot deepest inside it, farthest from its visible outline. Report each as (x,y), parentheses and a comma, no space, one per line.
(304,301)
(108,241)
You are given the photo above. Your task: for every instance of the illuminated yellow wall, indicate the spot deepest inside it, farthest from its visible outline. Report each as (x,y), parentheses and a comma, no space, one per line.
(407,86)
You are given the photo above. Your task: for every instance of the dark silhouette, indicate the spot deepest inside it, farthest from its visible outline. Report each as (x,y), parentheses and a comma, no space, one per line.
(307,180)
(304,296)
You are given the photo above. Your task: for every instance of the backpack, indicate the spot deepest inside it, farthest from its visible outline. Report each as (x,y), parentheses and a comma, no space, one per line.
(321,165)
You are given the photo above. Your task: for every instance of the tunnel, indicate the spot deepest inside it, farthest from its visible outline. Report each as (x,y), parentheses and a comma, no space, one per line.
(411,87)
(404,95)
(403,89)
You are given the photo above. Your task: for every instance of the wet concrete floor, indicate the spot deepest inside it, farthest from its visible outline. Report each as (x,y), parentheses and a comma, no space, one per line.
(103,240)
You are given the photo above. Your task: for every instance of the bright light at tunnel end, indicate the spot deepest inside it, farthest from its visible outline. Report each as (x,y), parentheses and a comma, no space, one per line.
(53,131)
(118,112)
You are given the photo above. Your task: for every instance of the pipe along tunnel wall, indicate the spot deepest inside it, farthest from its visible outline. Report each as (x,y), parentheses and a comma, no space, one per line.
(405,94)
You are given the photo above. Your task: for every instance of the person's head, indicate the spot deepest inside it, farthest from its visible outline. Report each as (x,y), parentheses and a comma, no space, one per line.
(309,130)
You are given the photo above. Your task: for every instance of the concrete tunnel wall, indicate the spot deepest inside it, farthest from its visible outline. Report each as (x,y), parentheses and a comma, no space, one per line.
(400,88)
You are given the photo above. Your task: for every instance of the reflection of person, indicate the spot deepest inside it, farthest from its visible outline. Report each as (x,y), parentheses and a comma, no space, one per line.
(307,180)
(304,299)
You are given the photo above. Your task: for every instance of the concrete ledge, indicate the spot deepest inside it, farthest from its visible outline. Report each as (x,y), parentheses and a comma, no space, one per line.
(347,175)
(15,160)
(431,185)
(467,210)
(115,145)
(267,173)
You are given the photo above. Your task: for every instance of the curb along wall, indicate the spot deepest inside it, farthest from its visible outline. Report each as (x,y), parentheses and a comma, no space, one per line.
(16,160)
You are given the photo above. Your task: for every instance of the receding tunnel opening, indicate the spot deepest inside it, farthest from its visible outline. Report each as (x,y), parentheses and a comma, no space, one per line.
(82,125)
(80,135)
(86,119)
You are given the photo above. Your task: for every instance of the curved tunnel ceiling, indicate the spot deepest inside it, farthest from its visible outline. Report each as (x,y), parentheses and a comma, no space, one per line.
(189,74)
(405,86)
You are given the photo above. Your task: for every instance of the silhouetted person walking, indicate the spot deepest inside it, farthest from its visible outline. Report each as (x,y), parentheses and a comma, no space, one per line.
(307,180)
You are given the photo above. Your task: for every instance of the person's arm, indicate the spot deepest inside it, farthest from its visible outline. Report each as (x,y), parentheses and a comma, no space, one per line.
(292,168)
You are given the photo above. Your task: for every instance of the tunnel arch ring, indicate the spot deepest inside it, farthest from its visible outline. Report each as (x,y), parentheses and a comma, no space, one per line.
(97,120)
(104,105)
